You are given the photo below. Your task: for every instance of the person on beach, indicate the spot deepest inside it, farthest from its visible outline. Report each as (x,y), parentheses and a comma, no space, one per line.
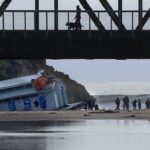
(126,103)
(96,107)
(147,103)
(117,101)
(139,104)
(134,104)
(78,14)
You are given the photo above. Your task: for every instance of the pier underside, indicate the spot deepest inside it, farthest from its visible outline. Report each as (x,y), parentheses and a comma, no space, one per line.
(74,44)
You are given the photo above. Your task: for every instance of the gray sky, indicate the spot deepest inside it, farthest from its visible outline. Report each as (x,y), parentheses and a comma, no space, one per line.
(70,4)
(108,76)
(105,70)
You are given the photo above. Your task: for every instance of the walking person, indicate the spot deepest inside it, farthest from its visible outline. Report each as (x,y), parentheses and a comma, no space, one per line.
(78,14)
(139,104)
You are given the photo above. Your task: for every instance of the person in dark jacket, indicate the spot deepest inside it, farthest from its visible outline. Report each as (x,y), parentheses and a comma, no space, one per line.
(117,101)
(147,102)
(134,104)
(139,104)
(126,103)
(78,14)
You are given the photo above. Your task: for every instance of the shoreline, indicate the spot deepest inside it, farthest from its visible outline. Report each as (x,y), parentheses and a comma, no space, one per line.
(75,115)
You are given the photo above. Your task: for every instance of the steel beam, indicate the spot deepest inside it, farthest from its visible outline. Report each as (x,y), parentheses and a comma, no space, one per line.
(36,15)
(120,13)
(92,15)
(112,14)
(4,5)
(140,3)
(143,20)
(56,15)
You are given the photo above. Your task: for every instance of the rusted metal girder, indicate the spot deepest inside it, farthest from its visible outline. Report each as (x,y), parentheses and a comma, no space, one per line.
(4,5)
(92,15)
(143,20)
(112,14)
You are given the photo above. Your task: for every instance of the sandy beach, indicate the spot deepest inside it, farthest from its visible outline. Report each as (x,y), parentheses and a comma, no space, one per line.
(74,115)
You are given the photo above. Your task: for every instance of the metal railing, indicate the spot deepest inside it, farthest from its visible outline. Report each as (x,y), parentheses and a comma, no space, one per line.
(25,20)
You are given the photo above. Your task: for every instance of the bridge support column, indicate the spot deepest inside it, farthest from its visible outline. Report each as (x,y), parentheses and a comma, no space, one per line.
(56,15)
(120,13)
(140,13)
(36,15)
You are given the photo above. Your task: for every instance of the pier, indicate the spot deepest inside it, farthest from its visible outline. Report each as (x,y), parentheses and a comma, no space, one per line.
(117,34)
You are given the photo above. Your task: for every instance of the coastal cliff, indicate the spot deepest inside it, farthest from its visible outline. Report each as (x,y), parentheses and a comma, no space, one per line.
(15,68)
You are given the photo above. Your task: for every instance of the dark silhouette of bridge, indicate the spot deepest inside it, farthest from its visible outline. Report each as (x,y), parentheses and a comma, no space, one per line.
(118,34)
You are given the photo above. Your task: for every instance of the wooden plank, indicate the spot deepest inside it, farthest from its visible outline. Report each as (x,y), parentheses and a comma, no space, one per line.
(112,14)
(92,15)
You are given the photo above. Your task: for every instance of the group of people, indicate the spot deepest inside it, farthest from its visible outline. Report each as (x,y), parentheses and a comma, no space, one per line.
(90,104)
(125,103)
(147,103)
(136,104)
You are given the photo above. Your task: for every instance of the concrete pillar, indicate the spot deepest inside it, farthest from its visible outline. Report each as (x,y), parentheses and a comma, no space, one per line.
(120,13)
(56,14)
(140,5)
(36,15)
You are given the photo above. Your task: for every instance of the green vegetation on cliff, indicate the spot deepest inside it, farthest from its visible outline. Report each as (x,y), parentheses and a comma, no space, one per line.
(14,68)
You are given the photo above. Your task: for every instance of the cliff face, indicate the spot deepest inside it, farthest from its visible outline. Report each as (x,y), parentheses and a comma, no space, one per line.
(14,68)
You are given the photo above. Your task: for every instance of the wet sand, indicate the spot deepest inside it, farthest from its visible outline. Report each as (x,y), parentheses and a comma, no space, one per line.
(73,115)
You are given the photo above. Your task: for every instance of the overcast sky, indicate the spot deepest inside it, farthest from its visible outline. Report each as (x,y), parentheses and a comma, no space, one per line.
(70,4)
(108,76)
(103,71)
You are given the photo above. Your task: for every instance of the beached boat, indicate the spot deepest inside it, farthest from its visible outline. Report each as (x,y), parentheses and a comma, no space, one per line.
(31,93)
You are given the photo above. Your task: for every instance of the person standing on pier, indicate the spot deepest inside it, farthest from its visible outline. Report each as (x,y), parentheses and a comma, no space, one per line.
(78,14)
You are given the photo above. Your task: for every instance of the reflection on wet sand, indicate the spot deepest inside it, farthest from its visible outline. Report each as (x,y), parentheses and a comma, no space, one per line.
(75,135)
